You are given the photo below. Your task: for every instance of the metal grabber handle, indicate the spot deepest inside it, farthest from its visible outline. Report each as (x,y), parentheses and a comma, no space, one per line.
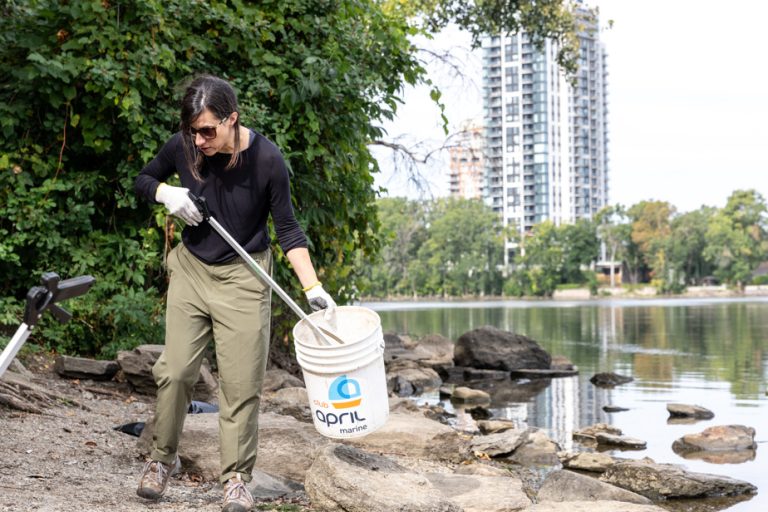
(328,336)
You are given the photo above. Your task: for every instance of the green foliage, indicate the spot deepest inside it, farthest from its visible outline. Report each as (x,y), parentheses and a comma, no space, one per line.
(424,240)
(89,96)
(552,255)
(684,248)
(443,247)
(556,20)
(737,237)
(403,231)
(581,248)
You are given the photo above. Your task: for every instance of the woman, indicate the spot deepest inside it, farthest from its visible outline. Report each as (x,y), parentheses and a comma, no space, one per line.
(212,294)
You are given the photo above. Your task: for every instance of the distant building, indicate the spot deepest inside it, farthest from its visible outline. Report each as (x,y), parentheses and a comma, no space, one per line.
(466,161)
(546,154)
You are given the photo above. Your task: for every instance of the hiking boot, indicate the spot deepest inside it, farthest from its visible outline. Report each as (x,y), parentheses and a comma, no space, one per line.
(155,476)
(236,497)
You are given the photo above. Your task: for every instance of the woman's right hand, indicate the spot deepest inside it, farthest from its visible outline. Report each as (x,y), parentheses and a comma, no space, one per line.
(178,203)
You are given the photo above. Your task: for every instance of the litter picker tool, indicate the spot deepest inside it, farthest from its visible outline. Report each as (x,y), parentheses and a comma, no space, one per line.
(40,298)
(326,335)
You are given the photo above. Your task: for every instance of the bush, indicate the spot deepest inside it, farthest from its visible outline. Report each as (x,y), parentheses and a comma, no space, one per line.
(89,96)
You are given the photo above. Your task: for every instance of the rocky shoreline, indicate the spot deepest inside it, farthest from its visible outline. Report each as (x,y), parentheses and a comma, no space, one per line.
(422,459)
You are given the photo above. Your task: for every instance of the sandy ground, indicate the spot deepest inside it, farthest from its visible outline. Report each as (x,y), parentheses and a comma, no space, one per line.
(70,459)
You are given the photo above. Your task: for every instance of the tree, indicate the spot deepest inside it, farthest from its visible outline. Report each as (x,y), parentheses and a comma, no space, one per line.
(737,237)
(614,231)
(540,260)
(462,251)
(582,248)
(403,230)
(557,20)
(89,96)
(685,247)
(650,232)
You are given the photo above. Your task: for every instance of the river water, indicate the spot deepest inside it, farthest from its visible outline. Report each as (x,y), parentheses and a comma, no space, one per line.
(708,352)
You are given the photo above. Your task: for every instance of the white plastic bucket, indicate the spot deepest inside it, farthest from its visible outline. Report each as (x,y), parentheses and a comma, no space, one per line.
(346,384)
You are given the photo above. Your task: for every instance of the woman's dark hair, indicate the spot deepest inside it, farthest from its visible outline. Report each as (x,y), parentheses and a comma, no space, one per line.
(218,96)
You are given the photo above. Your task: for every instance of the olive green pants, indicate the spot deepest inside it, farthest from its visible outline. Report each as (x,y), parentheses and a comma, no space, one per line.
(229,304)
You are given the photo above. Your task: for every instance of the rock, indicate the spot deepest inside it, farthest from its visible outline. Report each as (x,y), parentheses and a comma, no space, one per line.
(399,386)
(269,487)
(561,363)
(614,408)
(276,378)
(289,402)
(478,468)
(346,478)
(498,445)
(471,374)
(414,436)
(137,366)
(689,411)
(541,374)
(479,413)
(589,434)
(493,349)
(592,506)
(494,426)
(392,340)
(476,493)
(620,441)
(681,420)
(720,457)
(397,347)
(570,486)
(82,368)
(438,413)
(586,461)
(609,380)
(504,392)
(407,378)
(536,450)
(445,391)
(18,367)
(403,405)
(720,439)
(465,394)
(286,446)
(662,481)
(434,350)
(453,374)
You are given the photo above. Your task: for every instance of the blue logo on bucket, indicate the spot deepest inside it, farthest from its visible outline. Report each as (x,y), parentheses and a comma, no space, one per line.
(344,393)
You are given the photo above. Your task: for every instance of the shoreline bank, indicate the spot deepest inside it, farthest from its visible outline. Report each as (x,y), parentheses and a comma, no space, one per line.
(583,294)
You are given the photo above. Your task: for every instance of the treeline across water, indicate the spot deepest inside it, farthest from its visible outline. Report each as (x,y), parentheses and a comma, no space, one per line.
(455,247)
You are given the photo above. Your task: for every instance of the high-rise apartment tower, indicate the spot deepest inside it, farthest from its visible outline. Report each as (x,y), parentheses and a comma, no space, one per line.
(466,161)
(546,152)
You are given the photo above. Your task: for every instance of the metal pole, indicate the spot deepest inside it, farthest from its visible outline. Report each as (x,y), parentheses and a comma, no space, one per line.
(328,336)
(22,333)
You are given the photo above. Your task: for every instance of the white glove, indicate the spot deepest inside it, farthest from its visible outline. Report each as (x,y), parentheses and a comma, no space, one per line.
(178,203)
(320,299)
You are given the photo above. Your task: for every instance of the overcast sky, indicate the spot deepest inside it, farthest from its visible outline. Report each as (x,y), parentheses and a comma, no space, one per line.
(688,102)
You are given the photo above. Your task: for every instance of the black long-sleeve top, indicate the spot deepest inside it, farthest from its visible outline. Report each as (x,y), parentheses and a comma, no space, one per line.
(240,199)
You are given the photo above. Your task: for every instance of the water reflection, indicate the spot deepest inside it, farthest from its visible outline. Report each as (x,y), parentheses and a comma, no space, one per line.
(732,457)
(702,352)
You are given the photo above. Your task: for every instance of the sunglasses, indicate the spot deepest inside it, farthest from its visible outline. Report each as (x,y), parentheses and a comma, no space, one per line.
(206,132)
